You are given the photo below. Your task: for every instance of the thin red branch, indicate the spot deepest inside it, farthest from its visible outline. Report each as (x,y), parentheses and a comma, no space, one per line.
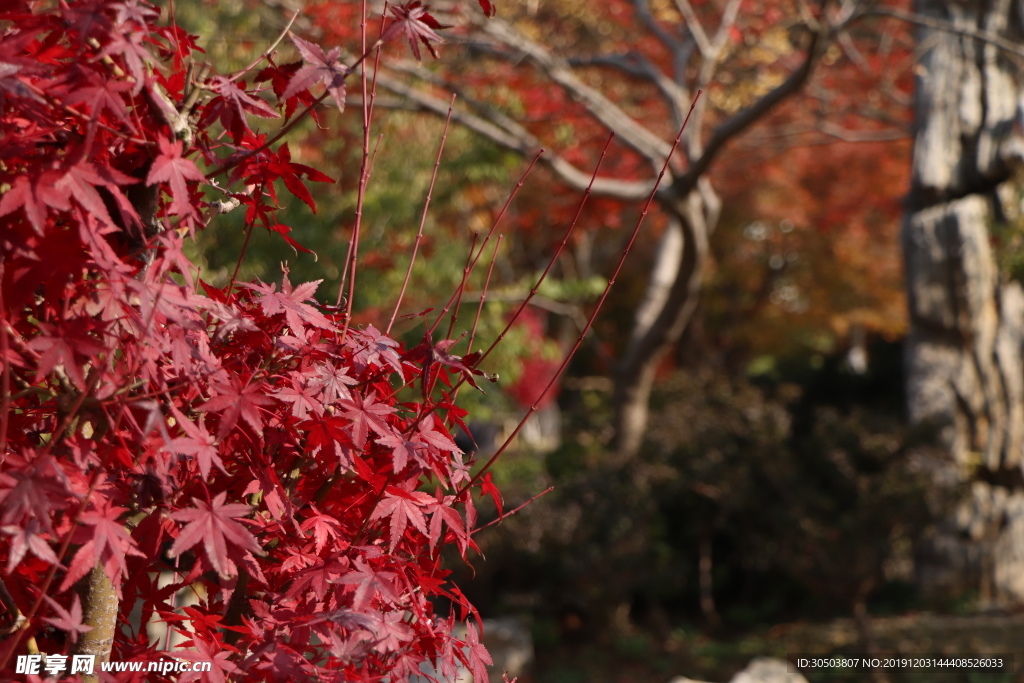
(501,214)
(423,217)
(554,257)
(579,340)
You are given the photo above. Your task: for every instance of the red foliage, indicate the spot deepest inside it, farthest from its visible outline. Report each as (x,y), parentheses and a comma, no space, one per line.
(245,438)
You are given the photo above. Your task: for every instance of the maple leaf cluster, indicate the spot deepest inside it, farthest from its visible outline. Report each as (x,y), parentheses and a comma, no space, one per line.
(243,437)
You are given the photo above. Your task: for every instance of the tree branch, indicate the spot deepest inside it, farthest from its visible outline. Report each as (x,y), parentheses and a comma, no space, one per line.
(948,27)
(744,119)
(639,66)
(694,26)
(628,129)
(505,132)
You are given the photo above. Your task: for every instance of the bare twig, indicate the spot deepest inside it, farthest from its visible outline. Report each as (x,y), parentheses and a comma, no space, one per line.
(423,217)
(514,137)
(579,340)
(554,257)
(267,52)
(494,226)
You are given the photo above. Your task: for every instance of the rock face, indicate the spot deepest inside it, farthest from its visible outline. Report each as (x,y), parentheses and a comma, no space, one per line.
(760,670)
(963,354)
(510,644)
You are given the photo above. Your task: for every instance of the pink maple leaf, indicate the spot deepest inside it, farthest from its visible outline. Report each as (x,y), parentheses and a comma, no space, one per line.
(108,543)
(323,526)
(402,450)
(392,631)
(290,302)
(403,507)
(478,656)
(198,442)
(369,583)
(207,652)
(234,400)
(213,524)
(441,510)
(175,170)
(333,382)
(326,68)
(68,621)
(300,396)
(366,413)
(25,538)
(413,20)
(377,348)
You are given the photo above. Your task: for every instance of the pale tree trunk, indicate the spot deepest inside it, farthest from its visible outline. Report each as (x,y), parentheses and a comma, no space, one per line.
(669,303)
(99,611)
(964,373)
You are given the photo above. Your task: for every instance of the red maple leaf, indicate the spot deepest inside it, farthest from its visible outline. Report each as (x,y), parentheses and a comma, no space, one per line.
(323,526)
(319,577)
(65,344)
(23,195)
(402,507)
(487,7)
(101,94)
(234,400)
(207,652)
(198,442)
(107,543)
(80,182)
(328,433)
(230,107)
(291,174)
(213,524)
(135,55)
(415,22)
(175,170)
(69,622)
(368,584)
(431,432)
(325,68)
(25,538)
(366,413)
(477,655)
(290,302)
(32,488)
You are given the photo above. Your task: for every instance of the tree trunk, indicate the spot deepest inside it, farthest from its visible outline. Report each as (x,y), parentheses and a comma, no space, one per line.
(667,307)
(100,604)
(963,354)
